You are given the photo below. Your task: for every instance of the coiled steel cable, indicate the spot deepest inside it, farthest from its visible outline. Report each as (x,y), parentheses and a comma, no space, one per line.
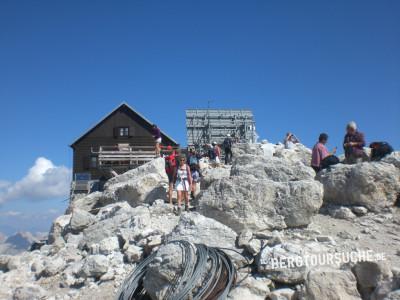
(208,273)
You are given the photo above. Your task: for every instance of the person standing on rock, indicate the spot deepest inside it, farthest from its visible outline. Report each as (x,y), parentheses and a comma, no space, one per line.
(227,144)
(170,166)
(353,144)
(183,182)
(320,154)
(157,139)
(217,152)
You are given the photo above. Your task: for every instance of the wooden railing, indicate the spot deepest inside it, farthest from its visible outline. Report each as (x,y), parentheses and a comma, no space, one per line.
(125,155)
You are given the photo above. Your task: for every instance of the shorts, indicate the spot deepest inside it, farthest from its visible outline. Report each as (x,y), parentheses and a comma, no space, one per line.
(182,185)
(170,178)
(158,141)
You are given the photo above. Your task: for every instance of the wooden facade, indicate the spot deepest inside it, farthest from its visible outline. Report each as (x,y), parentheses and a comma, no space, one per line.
(123,131)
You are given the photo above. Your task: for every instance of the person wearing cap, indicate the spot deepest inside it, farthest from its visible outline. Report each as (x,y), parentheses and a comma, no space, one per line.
(353,144)
(227,144)
(320,152)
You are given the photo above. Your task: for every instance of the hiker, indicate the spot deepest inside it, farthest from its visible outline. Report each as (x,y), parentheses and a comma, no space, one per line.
(217,152)
(227,144)
(379,150)
(353,144)
(157,139)
(170,166)
(193,159)
(183,182)
(290,140)
(321,158)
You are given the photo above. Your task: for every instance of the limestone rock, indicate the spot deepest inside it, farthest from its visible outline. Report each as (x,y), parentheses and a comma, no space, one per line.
(58,227)
(212,174)
(133,254)
(282,294)
(326,283)
(299,153)
(275,169)
(29,292)
(80,219)
(375,185)
(196,228)
(246,203)
(287,263)
(95,266)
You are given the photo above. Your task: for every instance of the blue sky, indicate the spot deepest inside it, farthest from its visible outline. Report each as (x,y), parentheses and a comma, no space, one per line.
(301,66)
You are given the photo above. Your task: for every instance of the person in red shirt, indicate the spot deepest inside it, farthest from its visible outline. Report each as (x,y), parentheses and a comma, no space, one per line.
(320,152)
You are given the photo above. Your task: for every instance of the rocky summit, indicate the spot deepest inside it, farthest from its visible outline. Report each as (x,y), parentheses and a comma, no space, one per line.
(291,234)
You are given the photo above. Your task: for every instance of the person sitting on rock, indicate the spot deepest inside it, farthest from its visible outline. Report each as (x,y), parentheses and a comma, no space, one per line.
(183,182)
(290,140)
(353,144)
(320,154)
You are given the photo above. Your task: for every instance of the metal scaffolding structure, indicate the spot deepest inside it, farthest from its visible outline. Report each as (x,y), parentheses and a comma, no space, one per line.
(204,126)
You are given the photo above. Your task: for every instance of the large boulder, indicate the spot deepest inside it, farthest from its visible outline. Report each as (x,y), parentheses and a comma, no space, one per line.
(29,292)
(393,158)
(371,275)
(196,228)
(212,174)
(327,283)
(130,225)
(88,202)
(375,185)
(80,219)
(299,153)
(274,168)
(58,228)
(243,202)
(289,262)
(240,149)
(155,166)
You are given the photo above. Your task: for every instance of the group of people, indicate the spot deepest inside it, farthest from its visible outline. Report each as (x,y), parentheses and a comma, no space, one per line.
(183,170)
(353,146)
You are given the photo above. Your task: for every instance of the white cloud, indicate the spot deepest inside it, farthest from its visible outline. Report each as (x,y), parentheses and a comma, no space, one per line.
(10,213)
(43,181)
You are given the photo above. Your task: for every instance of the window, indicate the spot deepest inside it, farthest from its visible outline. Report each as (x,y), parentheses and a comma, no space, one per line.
(123,131)
(93,162)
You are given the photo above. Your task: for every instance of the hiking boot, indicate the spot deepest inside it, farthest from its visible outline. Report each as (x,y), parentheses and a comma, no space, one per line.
(186,207)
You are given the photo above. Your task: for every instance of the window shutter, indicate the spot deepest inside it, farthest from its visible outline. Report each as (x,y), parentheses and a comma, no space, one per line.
(116,129)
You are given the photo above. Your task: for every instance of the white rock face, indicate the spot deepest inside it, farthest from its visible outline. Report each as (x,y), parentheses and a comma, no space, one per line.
(58,227)
(275,169)
(212,174)
(29,292)
(287,263)
(196,228)
(327,283)
(248,203)
(299,153)
(375,185)
(80,219)
(95,266)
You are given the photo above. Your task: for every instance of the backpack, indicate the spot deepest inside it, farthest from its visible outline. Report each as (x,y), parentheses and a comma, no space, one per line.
(227,143)
(170,162)
(211,153)
(379,150)
(329,161)
(193,160)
